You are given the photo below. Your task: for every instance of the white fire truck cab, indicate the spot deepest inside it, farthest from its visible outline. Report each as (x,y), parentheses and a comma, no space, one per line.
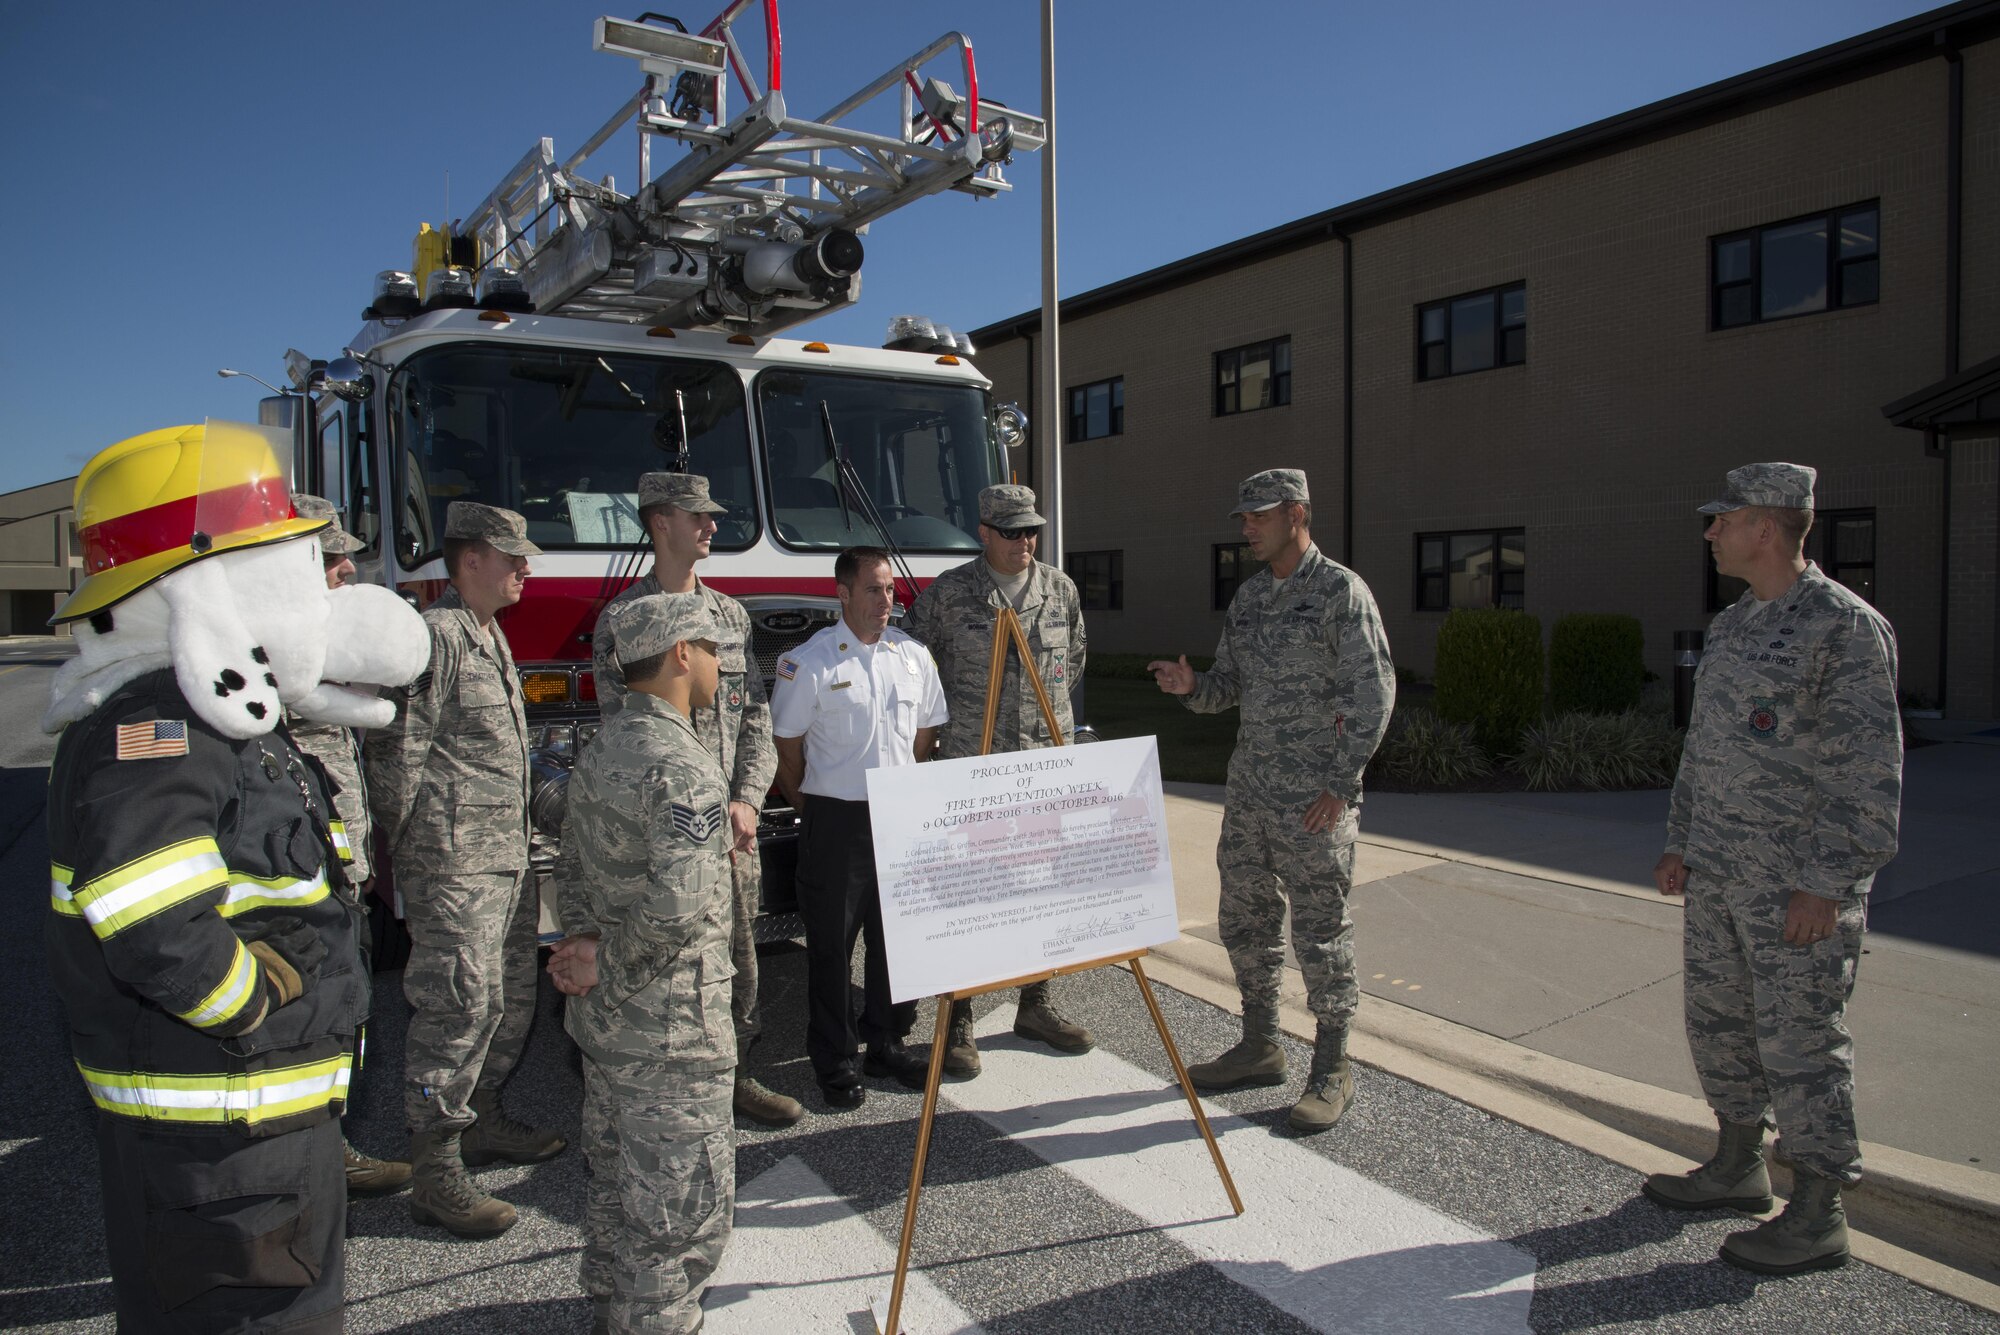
(564,338)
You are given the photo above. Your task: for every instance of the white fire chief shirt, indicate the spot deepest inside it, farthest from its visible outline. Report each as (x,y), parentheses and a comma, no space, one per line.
(858,706)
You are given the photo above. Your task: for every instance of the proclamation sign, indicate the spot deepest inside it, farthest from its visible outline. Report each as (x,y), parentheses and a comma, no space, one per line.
(999,866)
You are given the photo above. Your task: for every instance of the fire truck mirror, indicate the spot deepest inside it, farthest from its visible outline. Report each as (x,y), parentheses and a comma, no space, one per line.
(345,378)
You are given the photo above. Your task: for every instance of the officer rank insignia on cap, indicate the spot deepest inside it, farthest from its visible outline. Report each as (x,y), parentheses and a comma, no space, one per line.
(145,741)
(788,669)
(696,825)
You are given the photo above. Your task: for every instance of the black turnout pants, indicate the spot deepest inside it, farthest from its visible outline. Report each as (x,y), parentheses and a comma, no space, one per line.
(839,901)
(212,1232)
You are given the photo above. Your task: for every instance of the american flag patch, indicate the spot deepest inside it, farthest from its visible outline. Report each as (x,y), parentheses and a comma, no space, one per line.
(696,825)
(145,741)
(788,669)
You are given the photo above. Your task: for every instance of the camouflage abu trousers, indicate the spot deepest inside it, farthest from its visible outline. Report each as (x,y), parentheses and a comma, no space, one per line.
(747,871)
(1766,1020)
(662,1193)
(471,986)
(1266,857)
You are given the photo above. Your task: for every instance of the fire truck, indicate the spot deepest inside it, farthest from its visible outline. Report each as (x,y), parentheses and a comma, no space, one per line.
(567,336)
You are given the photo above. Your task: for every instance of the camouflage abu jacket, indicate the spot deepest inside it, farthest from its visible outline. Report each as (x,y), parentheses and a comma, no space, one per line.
(1792,773)
(339,754)
(448,780)
(648,833)
(737,731)
(1308,664)
(954,620)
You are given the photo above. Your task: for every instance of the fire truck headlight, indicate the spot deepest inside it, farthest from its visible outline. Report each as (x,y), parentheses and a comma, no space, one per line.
(996,140)
(1010,424)
(548,796)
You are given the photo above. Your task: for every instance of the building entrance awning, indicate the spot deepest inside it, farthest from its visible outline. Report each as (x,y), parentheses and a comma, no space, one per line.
(1966,404)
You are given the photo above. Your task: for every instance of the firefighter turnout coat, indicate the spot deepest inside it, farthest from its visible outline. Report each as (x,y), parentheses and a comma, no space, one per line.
(169,844)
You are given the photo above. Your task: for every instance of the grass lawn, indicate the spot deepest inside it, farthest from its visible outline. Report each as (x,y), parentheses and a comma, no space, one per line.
(1194,748)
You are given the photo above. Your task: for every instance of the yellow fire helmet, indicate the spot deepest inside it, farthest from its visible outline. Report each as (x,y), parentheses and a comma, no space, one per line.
(147,506)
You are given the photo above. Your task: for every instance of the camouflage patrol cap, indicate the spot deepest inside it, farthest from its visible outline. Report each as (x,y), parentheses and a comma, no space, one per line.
(1009,506)
(1774,486)
(683,491)
(333,539)
(659,621)
(1273,486)
(502,530)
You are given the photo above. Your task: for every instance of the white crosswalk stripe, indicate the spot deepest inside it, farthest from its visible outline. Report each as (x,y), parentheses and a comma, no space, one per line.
(802,1260)
(1318,1240)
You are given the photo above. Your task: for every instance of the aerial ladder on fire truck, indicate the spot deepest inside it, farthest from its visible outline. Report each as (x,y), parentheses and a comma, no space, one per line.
(756,227)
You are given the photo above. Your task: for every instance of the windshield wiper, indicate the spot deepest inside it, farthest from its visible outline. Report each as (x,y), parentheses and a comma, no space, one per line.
(845,478)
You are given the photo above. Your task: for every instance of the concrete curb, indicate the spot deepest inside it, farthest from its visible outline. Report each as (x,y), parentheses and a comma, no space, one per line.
(1934,1223)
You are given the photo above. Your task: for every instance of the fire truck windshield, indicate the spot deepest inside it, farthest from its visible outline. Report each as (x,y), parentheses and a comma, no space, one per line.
(921,449)
(561,435)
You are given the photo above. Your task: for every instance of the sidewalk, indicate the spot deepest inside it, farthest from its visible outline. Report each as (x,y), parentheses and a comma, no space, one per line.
(1516,941)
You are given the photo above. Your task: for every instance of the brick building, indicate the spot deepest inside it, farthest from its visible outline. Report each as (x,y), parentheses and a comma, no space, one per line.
(1512,382)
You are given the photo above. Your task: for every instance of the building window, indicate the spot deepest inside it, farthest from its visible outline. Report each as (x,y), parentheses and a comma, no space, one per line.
(1100,579)
(1845,541)
(1474,332)
(1097,410)
(1257,375)
(1233,566)
(1484,568)
(1798,267)
(1841,543)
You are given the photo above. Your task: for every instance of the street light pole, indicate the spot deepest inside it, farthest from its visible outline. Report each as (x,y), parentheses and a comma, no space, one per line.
(1049,401)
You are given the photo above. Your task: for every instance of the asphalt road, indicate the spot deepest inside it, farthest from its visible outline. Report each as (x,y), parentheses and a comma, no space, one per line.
(1064,1193)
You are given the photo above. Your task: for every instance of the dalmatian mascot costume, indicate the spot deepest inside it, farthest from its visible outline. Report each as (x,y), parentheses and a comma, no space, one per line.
(203,937)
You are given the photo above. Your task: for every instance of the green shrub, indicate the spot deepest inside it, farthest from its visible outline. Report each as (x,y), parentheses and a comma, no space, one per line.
(1597,663)
(1421,750)
(1489,673)
(1572,751)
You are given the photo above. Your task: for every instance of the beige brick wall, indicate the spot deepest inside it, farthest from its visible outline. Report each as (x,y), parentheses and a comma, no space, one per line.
(1628,410)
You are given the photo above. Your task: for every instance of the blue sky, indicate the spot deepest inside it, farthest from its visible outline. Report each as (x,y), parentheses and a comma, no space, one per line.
(203,185)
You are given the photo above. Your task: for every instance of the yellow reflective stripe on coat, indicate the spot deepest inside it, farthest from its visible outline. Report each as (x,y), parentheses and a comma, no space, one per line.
(60,898)
(340,844)
(252,1097)
(148,885)
(237,989)
(247,892)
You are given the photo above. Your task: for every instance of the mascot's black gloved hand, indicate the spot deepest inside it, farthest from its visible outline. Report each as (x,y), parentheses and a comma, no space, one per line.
(290,952)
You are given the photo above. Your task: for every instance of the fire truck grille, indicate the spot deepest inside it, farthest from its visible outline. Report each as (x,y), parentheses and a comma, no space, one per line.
(773,634)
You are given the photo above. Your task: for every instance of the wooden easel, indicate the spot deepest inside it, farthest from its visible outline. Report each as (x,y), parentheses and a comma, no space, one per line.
(1006,632)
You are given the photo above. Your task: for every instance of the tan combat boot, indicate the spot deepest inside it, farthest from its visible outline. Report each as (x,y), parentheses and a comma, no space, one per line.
(1734,1178)
(1329,1085)
(497,1136)
(442,1193)
(758,1102)
(1257,1060)
(1037,1018)
(961,1053)
(372,1177)
(1810,1235)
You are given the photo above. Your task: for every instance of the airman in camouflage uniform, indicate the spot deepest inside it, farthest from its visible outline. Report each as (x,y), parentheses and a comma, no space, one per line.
(954,618)
(339,754)
(1304,656)
(647,813)
(736,729)
(1785,807)
(448,785)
